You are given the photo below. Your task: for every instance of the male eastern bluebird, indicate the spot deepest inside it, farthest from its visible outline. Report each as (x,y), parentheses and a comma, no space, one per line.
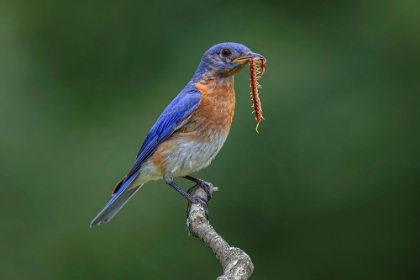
(190,132)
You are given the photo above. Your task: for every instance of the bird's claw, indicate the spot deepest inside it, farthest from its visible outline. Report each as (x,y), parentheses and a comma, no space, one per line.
(206,186)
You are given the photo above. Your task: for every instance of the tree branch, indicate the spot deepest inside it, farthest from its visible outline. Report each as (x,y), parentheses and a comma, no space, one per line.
(237,265)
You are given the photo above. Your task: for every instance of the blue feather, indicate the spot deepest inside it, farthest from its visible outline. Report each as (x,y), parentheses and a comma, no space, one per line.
(120,198)
(172,117)
(177,111)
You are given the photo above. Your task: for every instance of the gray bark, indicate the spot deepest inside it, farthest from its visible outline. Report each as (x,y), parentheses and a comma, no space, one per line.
(237,265)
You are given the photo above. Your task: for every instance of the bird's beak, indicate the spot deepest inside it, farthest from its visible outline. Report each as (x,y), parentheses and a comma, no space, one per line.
(248,57)
(254,55)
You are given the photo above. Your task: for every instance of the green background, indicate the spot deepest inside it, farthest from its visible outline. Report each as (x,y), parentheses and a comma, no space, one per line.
(329,188)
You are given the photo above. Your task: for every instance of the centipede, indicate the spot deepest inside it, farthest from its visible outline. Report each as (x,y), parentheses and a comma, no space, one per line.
(257,69)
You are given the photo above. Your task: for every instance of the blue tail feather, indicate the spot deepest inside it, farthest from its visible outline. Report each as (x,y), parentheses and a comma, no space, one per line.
(117,202)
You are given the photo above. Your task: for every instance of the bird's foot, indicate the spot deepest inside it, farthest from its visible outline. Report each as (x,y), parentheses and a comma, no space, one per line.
(206,186)
(199,194)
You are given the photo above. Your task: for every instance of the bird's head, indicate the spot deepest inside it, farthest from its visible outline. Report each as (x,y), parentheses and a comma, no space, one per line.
(226,59)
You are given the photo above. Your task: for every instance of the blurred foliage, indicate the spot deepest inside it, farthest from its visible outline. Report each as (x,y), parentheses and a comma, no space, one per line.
(329,188)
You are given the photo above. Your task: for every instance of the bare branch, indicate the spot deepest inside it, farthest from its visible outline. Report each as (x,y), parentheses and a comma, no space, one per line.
(237,265)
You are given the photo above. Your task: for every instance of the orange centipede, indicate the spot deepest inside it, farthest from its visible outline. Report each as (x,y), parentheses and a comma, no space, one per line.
(257,69)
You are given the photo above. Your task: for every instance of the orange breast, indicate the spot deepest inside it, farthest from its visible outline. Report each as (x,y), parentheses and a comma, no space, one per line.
(209,125)
(217,106)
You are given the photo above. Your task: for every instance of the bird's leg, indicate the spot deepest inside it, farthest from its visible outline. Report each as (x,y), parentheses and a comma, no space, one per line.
(207,187)
(191,199)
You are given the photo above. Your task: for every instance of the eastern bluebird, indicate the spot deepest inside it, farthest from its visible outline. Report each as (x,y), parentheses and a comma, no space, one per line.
(190,132)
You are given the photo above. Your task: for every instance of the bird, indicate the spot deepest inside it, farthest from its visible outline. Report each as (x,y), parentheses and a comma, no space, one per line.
(190,131)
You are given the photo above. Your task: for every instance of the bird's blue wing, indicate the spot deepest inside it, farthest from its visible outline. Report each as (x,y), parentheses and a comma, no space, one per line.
(172,118)
(179,110)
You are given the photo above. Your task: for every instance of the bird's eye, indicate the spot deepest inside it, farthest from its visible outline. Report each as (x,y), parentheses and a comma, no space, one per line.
(226,53)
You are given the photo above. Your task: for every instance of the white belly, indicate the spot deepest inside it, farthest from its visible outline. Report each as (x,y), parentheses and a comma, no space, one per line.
(184,158)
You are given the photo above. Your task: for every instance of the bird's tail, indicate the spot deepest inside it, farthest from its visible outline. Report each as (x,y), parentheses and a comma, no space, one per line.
(119,199)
